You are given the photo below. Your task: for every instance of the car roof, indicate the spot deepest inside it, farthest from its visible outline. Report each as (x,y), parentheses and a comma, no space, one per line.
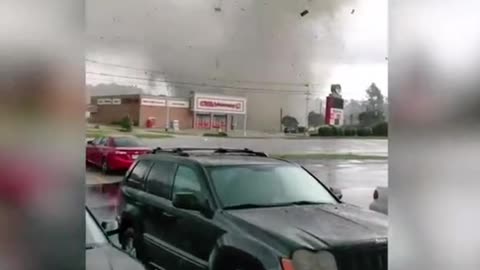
(218,159)
(114,136)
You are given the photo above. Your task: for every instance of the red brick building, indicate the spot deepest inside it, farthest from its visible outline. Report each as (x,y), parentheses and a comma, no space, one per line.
(202,111)
(111,109)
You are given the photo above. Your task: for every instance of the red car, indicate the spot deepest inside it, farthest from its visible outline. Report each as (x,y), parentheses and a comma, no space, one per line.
(114,153)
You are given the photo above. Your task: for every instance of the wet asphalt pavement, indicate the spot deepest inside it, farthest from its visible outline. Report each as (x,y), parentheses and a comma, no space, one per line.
(279,145)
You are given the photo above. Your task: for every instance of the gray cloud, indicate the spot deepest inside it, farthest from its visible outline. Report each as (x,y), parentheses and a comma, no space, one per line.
(233,42)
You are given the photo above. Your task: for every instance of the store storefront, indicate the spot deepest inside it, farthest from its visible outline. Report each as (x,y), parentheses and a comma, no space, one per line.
(218,112)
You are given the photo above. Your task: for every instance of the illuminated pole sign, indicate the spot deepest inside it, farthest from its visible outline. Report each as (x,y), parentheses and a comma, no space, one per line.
(334,107)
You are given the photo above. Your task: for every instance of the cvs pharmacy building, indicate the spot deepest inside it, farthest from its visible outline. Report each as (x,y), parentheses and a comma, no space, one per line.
(218,112)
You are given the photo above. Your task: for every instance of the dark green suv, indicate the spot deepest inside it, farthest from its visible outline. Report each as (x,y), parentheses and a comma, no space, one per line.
(239,209)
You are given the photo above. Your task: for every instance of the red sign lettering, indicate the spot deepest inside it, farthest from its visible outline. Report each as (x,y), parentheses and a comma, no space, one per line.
(220,104)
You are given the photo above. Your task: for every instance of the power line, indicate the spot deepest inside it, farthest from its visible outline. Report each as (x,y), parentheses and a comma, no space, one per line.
(277,91)
(214,79)
(221,91)
(123,66)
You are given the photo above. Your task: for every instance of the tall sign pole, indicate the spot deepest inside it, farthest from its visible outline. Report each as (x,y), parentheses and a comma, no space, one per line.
(334,106)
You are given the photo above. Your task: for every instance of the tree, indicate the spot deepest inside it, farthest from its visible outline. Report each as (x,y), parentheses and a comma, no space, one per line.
(289,121)
(315,119)
(375,99)
(126,123)
(374,113)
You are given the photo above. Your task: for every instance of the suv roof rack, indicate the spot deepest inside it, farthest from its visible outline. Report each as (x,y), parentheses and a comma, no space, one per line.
(183,151)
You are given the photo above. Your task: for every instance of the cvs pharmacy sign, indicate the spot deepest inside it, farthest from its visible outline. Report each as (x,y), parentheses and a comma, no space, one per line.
(220,104)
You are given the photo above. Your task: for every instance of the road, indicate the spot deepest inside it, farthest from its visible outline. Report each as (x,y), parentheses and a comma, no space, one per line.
(279,145)
(356,179)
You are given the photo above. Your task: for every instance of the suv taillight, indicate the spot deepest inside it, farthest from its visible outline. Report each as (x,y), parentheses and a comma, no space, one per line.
(375,195)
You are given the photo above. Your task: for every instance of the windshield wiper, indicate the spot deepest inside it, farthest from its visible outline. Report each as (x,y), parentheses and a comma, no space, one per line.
(304,203)
(251,205)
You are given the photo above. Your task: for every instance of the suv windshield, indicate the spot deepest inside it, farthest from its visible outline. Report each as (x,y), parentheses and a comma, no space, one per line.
(127,142)
(267,185)
(94,235)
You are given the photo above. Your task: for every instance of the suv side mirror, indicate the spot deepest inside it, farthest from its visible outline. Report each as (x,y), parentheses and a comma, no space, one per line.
(188,201)
(337,192)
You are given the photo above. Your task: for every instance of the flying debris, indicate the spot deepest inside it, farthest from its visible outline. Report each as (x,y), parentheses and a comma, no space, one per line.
(305,12)
(218,9)
(353,11)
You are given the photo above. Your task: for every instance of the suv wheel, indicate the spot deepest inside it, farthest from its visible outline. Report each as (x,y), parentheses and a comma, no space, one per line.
(230,263)
(132,243)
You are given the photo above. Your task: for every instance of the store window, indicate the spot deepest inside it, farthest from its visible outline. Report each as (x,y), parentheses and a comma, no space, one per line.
(203,121)
(219,121)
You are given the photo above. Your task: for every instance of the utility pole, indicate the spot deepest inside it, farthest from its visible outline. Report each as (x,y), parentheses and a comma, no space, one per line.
(307,101)
(281,117)
(167,108)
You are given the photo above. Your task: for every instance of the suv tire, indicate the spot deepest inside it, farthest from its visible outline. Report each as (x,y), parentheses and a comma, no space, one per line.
(233,263)
(132,243)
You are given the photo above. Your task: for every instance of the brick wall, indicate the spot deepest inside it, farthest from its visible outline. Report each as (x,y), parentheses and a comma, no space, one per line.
(130,105)
(106,114)
(183,115)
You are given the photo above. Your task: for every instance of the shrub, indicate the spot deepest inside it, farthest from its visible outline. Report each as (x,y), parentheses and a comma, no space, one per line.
(334,130)
(325,131)
(350,131)
(340,131)
(364,132)
(218,134)
(380,129)
(126,124)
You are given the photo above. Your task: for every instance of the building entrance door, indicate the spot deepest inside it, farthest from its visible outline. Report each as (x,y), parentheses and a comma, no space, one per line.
(219,121)
(203,121)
